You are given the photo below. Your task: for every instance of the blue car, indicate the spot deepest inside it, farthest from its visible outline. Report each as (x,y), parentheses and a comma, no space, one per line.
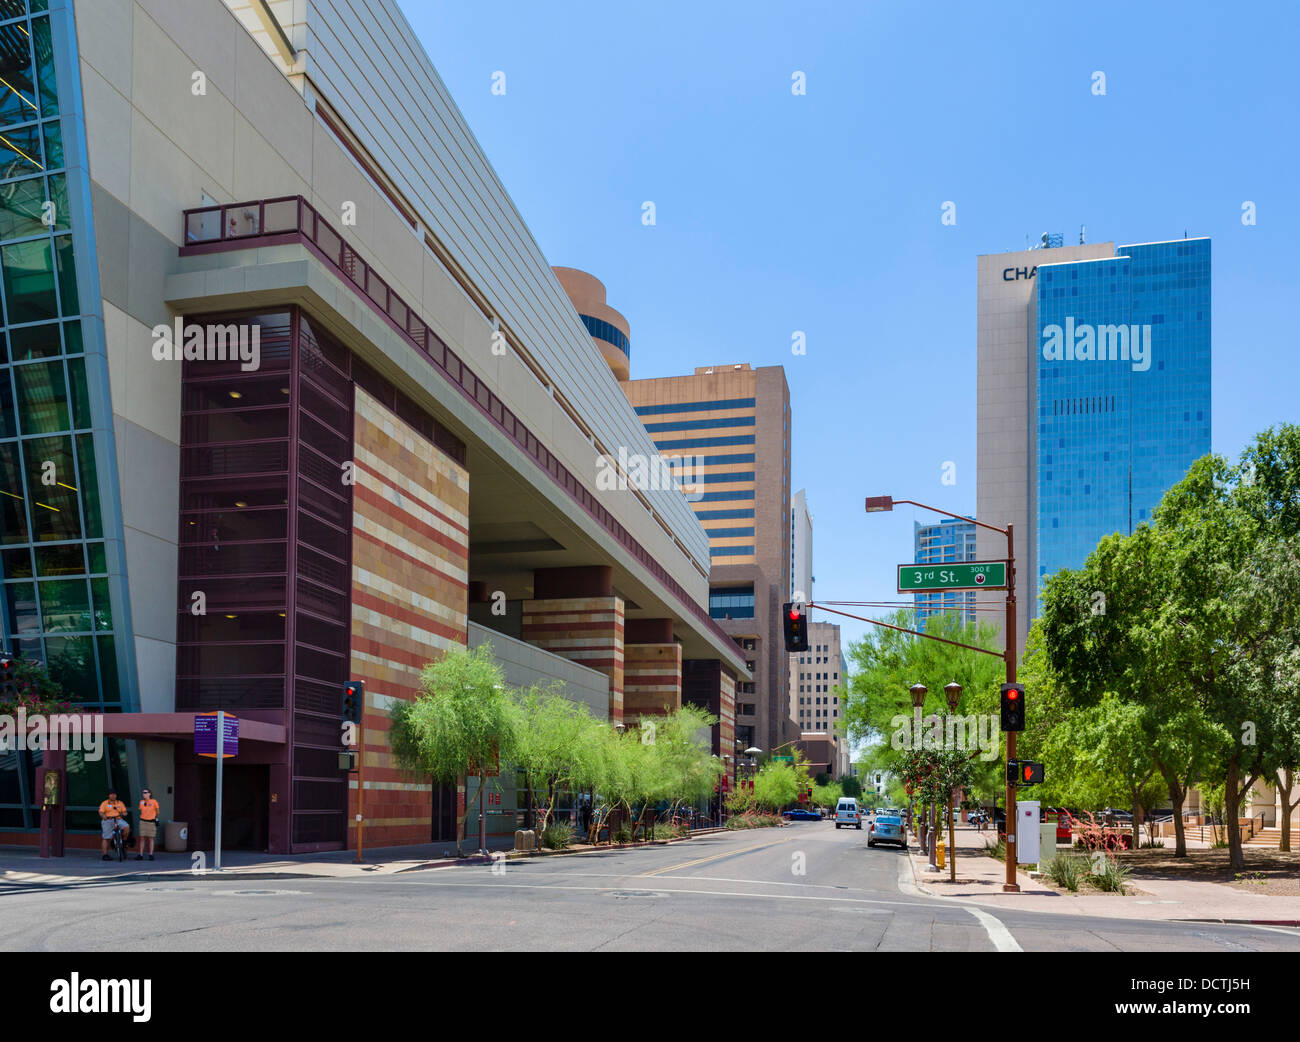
(800,814)
(887,828)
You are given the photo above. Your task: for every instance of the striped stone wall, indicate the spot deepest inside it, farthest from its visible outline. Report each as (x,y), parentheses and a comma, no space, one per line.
(588,630)
(410,559)
(652,680)
(727,715)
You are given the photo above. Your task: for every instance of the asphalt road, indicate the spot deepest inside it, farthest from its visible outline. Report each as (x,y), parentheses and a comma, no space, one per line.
(807,887)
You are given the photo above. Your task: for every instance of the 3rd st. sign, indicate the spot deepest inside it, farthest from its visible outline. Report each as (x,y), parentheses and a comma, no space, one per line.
(973,575)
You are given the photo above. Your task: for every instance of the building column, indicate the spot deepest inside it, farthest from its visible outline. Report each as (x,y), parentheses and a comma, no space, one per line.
(652,684)
(574,614)
(708,684)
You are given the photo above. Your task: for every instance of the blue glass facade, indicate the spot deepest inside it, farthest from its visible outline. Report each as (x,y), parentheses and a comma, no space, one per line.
(1122,391)
(62,560)
(946,542)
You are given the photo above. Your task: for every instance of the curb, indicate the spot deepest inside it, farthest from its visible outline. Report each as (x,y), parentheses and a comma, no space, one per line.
(1241,922)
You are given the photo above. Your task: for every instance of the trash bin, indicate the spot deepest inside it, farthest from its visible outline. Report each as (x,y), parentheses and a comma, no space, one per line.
(176,837)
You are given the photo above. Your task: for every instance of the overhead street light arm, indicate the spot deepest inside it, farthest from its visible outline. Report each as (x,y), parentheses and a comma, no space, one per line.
(878,504)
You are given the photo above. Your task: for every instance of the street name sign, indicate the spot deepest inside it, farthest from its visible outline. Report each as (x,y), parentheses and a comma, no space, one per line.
(973,575)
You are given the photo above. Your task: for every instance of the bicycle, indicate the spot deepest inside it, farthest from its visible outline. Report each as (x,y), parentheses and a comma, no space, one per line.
(119,840)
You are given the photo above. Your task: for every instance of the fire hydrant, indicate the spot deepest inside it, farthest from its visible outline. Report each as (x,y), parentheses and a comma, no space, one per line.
(939,850)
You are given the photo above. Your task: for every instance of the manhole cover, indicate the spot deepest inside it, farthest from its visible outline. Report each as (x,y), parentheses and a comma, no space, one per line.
(635,893)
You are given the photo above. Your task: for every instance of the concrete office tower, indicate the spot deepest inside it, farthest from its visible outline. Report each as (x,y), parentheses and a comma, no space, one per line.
(801,547)
(1094,396)
(817,674)
(817,698)
(944,542)
(730,427)
(380,442)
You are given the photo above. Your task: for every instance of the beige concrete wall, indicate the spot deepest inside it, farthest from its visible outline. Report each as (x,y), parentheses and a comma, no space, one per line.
(183,105)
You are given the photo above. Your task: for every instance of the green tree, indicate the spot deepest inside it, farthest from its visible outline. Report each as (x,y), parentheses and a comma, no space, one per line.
(462,716)
(776,785)
(885,665)
(553,747)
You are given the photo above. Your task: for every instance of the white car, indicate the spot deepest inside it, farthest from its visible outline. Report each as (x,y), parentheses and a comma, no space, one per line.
(847,813)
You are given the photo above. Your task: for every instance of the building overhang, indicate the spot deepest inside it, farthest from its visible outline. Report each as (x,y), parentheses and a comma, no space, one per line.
(506,484)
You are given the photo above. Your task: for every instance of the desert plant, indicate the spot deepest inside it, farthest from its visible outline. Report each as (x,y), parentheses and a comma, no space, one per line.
(997,850)
(1110,876)
(557,835)
(1068,870)
(752,821)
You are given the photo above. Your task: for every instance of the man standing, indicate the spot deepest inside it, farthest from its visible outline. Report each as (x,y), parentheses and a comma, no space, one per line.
(148,824)
(112,815)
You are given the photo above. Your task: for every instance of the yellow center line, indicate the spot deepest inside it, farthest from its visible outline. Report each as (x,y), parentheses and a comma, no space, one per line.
(715,857)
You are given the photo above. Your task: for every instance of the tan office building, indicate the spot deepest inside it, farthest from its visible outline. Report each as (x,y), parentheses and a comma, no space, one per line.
(725,430)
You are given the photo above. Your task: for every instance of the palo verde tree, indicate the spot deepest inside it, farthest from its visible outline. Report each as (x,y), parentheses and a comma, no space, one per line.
(461,720)
(556,746)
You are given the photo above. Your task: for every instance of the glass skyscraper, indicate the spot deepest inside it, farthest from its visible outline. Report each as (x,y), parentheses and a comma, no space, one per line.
(945,542)
(1122,391)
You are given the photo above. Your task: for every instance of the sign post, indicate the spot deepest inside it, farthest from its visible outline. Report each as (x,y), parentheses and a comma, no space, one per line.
(221,767)
(217,734)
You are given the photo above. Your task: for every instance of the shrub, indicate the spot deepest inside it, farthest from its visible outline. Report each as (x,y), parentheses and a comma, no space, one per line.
(997,850)
(557,835)
(751,820)
(1152,844)
(1068,870)
(622,835)
(1111,877)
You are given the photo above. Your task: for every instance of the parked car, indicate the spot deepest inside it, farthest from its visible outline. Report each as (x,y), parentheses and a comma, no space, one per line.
(1064,823)
(846,813)
(800,814)
(887,828)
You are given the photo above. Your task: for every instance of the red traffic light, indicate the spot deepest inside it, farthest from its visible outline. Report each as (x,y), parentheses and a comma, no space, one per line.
(1013,694)
(794,614)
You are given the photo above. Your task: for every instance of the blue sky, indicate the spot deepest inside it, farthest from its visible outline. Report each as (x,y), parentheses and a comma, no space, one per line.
(821,213)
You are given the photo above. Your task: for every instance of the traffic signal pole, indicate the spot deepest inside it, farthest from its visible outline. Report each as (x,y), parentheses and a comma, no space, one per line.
(361,776)
(1010,886)
(875,504)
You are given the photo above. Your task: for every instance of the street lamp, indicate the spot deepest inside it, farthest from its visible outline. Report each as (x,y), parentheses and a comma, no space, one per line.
(953,693)
(877,504)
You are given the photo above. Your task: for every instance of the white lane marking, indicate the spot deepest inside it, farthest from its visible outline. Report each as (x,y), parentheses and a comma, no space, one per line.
(680,890)
(998,933)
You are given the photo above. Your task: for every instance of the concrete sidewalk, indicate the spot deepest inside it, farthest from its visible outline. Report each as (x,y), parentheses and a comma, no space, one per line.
(980,879)
(22,866)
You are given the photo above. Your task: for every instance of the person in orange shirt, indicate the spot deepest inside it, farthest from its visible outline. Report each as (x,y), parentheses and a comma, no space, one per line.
(112,815)
(148,824)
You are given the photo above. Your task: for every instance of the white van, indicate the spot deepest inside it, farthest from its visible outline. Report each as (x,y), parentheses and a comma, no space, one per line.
(846,813)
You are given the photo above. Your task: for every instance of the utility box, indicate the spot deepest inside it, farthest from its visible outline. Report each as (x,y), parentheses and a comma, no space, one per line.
(1046,843)
(1027,814)
(525,839)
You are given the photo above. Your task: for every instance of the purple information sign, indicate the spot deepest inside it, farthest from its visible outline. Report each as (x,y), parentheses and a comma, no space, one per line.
(205,735)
